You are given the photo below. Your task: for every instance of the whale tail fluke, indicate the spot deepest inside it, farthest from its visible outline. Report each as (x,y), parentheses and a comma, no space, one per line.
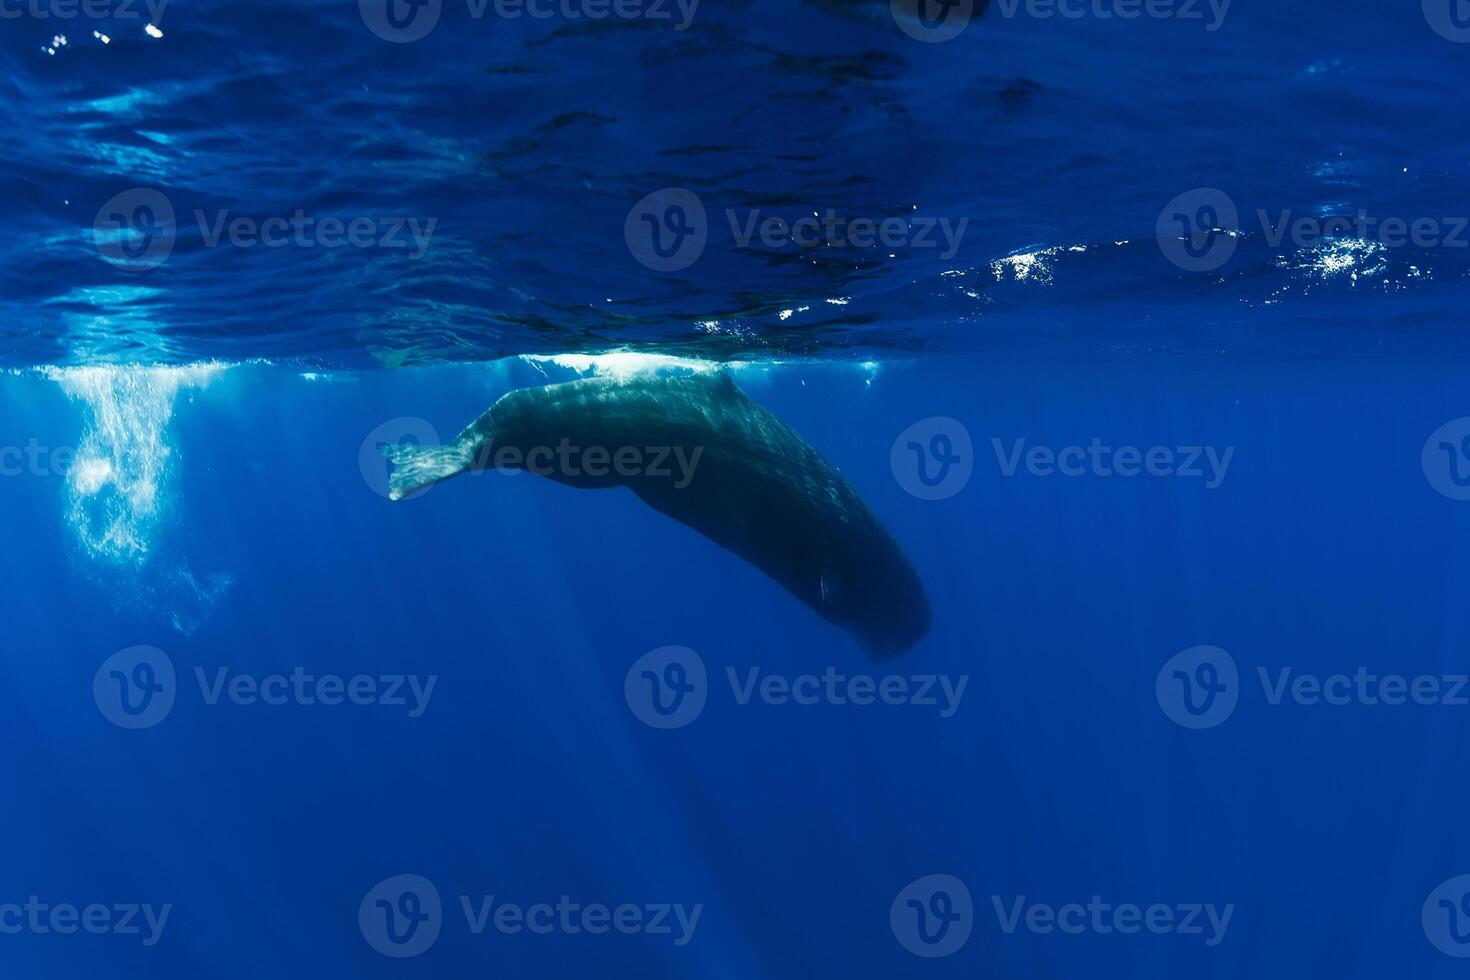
(418,467)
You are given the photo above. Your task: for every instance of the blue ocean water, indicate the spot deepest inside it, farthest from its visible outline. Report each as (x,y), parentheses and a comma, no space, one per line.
(1137,324)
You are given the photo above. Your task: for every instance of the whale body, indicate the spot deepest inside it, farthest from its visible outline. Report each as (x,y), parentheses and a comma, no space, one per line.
(698,450)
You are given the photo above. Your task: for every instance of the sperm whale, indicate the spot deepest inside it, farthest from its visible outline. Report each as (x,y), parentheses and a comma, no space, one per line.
(730,470)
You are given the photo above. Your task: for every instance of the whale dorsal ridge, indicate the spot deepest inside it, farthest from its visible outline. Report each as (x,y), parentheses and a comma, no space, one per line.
(719,384)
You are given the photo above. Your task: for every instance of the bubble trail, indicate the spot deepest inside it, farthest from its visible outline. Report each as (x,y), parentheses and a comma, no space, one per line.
(121,465)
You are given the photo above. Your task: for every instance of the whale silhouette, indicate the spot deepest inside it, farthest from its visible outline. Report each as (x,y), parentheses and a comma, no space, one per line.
(697,449)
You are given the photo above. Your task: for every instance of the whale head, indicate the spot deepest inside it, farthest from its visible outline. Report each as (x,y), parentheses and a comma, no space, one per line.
(881,603)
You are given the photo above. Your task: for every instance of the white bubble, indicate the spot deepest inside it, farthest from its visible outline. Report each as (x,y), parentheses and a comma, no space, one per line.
(115,481)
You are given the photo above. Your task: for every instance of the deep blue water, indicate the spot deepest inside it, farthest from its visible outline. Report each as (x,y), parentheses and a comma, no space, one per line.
(1186,494)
